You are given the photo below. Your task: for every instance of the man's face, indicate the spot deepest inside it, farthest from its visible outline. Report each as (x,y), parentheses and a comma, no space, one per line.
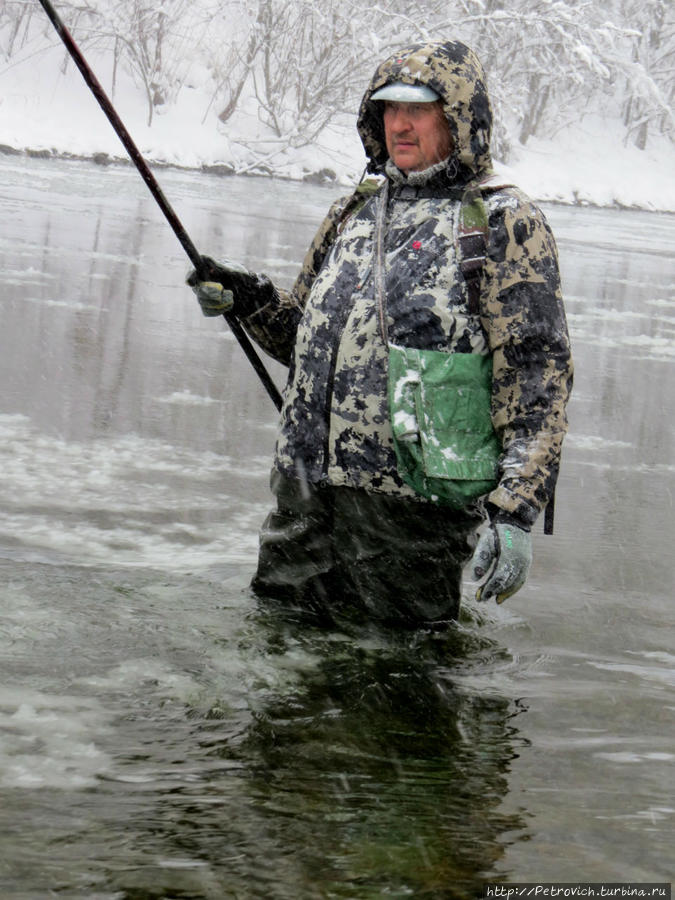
(417,134)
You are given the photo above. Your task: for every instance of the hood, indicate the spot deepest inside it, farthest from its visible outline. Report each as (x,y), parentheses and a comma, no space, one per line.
(454,71)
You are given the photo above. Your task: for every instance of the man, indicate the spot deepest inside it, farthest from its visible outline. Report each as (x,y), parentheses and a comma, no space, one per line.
(387,268)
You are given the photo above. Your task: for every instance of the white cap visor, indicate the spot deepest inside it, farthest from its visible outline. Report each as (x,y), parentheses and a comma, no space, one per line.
(406,93)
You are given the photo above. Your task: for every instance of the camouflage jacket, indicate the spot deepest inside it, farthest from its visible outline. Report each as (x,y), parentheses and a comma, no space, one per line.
(335,425)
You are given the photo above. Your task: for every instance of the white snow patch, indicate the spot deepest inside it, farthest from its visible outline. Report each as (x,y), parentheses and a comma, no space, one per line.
(187,398)
(594,442)
(627,757)
(47,741)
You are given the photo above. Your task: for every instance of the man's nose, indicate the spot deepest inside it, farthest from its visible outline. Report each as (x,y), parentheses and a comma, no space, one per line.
(399,120)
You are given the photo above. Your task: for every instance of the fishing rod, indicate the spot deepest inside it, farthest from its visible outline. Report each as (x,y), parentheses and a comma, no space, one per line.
(156,191)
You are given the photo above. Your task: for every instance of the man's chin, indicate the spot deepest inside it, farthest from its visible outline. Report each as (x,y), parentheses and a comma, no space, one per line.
(406,162)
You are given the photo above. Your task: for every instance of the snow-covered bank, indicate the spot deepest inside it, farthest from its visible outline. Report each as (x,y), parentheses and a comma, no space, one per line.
(43,110)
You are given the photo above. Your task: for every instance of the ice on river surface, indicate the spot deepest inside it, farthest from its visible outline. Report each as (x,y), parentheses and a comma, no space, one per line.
(134,500)
(159,735)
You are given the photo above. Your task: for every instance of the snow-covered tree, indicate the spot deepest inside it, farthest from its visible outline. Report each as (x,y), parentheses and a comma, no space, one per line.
(649,85)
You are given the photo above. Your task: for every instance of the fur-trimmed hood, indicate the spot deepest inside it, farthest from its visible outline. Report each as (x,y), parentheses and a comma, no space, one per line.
(454,71)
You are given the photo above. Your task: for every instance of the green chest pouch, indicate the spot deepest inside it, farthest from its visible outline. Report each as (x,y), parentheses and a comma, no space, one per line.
(446,448)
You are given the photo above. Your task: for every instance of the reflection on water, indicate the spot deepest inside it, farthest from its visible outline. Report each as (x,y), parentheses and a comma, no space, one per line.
(162,738)
(196,747)
(386,775)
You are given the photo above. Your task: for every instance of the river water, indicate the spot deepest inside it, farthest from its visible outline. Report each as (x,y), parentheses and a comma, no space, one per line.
(159,737)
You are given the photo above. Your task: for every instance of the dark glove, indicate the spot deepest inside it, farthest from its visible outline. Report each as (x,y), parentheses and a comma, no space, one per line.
(243,291)
(501,560)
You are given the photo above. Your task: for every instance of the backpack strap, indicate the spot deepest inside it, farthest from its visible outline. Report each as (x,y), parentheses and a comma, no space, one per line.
(472,239)
(473,233)
(549,514)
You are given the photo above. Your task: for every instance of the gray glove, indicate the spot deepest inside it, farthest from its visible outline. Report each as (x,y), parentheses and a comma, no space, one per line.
(213,298)
(225,286)
(502,560)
